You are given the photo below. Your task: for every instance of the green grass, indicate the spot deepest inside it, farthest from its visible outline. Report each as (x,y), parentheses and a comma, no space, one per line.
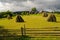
(45,38)
(31,21)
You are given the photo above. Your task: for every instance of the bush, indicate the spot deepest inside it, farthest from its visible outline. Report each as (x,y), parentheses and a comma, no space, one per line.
(1,16)
(45,15)
(52,18)
(19,19)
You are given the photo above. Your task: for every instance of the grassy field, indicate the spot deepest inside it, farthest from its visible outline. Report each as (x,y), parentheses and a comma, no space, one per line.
(31,21)
(48,38)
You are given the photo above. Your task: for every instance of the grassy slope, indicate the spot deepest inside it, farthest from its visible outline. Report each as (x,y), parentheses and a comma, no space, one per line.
(31,21)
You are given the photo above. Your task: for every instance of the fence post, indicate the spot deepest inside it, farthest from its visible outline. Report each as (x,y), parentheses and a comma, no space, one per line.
(22,31)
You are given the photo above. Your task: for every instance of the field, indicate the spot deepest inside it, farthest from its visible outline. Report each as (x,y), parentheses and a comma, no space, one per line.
(31,21)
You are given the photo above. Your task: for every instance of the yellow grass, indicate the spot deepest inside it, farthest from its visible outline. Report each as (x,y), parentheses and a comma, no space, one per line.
(31,21)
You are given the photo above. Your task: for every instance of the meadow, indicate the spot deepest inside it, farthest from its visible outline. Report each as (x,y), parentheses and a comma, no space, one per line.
(31,21)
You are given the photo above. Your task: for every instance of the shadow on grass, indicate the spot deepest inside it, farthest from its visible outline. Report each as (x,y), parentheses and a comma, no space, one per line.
(22,22)
(58,22)
(5,35)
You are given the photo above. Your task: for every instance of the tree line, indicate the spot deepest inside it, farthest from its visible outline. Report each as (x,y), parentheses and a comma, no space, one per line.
(10,13)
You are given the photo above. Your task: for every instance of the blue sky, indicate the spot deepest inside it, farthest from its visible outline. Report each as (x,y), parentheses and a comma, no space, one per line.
(22,5)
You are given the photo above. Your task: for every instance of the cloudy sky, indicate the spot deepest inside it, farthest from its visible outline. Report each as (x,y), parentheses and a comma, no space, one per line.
(22,5)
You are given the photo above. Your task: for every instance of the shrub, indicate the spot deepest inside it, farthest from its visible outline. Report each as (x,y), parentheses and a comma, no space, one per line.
(52,18)
(19,19)
(1,16)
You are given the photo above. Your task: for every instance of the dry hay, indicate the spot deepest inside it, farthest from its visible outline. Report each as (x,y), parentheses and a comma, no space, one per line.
(9,16)
(19,19)
(52,18)
(45,14)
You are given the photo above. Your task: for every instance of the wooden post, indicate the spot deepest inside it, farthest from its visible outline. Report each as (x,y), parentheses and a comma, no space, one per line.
(22,31)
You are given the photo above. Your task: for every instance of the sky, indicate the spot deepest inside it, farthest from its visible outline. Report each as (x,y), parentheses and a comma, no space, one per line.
(26,5)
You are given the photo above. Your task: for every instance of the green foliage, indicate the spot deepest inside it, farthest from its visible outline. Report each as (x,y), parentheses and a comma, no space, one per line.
(5,14)
(8,12)
(57,12)
(24,37)
(24,13)
(34,9)
(2,15)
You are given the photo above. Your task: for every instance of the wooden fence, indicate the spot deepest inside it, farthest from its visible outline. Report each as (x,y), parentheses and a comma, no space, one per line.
(41,32)
(37,32)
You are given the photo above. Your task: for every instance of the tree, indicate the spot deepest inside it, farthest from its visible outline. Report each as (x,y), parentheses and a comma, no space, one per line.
(9,14)
(34,11)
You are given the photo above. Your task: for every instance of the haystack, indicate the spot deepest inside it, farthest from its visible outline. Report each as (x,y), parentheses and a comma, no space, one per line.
(52,18)
(19,19)
(45,14)
(9,16)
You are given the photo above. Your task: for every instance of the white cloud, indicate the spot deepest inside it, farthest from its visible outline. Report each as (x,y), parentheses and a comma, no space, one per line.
(5,6)
(50,0)
(19,5)
(29,3)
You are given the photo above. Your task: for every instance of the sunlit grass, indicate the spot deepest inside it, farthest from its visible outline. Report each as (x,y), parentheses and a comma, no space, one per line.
(31,21)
